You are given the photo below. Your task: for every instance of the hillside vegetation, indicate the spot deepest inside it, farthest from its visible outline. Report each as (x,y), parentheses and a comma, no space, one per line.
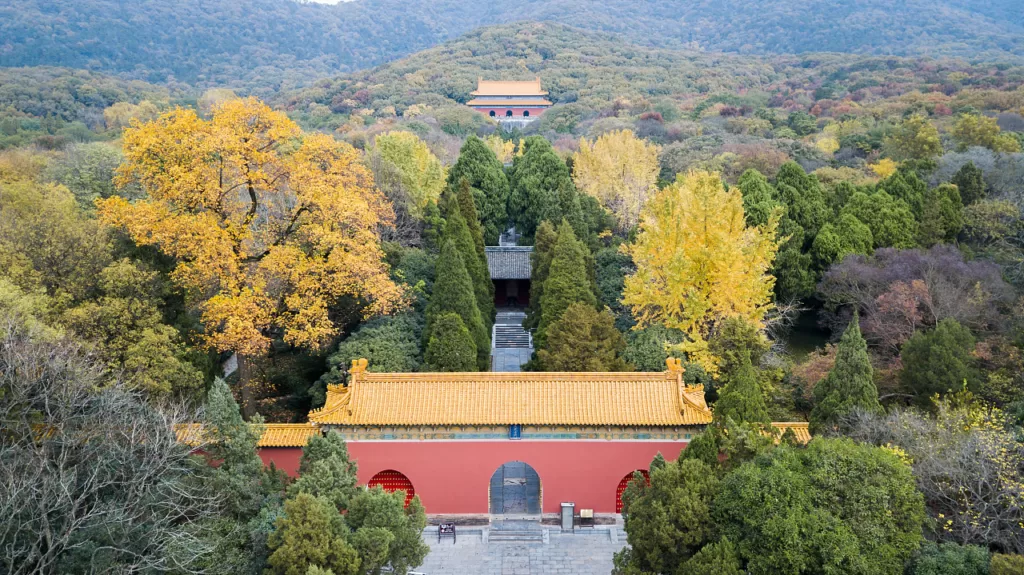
(271,44)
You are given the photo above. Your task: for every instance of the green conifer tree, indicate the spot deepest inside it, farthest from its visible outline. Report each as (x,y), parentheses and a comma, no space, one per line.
(741,400)
(540,265)
(850,384)
(583,339)
(568,282)
(240,477)
(453,292)
(478,164)
(311,533)
(326,470)
(970,181)
(391,531)
(457,229)
(451,347)
(758,198)
(719,558)
(542,189)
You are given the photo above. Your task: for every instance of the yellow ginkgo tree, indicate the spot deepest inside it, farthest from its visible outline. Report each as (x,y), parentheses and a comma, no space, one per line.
(620,170)
(267,226)
(698,263)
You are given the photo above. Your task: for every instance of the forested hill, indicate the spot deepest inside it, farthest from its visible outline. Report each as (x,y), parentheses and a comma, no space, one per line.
(270,44)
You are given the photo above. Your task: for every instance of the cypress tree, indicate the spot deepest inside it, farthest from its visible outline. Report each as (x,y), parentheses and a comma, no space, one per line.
(478,165)
(758,197)
(849,385)
(543,250)
(542,189)
(583,339)
(453,292)
(457,229)
(467,206)
(970,180)
(741,399)
(451,347)
(568,280)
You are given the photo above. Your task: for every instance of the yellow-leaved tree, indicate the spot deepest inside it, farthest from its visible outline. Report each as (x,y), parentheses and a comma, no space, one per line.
(698,263)
(267,226)
(620,170)
(504,149)
(422,174)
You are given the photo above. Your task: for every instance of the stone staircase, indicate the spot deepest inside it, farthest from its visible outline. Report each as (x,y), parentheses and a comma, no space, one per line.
(516,532)
(509,332)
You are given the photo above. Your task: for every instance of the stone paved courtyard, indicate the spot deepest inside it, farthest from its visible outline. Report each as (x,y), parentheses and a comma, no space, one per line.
(589,554)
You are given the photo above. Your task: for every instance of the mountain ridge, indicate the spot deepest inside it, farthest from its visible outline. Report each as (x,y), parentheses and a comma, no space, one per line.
(270,45)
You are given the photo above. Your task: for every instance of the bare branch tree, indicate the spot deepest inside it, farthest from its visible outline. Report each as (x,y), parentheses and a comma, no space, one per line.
(94,478)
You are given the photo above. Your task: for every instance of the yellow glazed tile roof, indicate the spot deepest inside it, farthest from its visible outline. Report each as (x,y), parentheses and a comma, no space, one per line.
(274,434)
(527,398)
(287,434)
(800,429)
(508,88)
(497,103)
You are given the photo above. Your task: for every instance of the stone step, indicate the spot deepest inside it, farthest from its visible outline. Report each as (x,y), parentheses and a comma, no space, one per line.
(506,536)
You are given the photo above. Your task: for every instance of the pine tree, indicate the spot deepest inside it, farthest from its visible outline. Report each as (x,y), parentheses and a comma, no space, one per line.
(567,282)
(453,292)
(970,180)
(240,478)
(741,400)
(718,558)
(849,385)
(326,471)
(457,229)
(451,347)
(583,339)
(478,164)
(759,201)
(542,189)
(311,533)
(543,250)
(467,207)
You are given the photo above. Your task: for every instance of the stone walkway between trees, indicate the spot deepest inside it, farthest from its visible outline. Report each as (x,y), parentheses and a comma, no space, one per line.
(568,554)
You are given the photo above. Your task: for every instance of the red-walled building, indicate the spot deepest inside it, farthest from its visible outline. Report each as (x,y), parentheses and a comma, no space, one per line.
(509,100)
(504,443)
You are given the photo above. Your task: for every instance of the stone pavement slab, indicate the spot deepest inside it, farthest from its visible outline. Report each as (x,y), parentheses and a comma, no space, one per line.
(566,554)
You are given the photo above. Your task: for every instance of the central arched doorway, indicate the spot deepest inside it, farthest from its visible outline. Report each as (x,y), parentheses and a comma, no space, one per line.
(515,490)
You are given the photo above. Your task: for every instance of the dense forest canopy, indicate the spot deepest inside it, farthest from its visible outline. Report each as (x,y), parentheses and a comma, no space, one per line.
(812,207)
(272,44)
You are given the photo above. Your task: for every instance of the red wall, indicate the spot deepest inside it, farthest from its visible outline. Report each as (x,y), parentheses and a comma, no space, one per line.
(453,476)
(284,458)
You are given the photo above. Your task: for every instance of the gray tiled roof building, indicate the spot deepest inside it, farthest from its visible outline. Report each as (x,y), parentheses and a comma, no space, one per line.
(509,262)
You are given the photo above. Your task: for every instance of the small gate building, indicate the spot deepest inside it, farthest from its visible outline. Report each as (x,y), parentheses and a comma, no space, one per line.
(504,443)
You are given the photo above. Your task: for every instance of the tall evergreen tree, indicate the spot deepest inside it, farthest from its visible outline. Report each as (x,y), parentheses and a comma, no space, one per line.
(540,264)
(467,206)
(568,280)
(583,339)
(240,476)
(326,470)
(542,189)
(741,400)
(453,292)
(970,180)
(311,533)
(451,347)
(803,197)
(457,229)
(758,198)
(850,384)
(478,164)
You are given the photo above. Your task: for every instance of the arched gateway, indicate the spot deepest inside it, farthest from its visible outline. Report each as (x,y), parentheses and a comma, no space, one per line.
(515,490)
